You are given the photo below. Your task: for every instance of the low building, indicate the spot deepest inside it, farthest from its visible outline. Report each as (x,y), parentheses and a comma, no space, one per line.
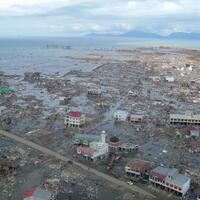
(189,67)
(138,167)
(128,147)
(185,119)
(65,98)
(116,145)
(170,179)
(194,133)
(38,194)
(136,118)
(4,90)
(132,94)
(75,119)
(120,115)
(169,79)
(95,151)
(94,91)
(86,139)
(155,78)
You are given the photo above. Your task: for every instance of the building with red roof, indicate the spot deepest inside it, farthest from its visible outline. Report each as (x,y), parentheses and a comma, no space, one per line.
(115,143)
(138,167)
(96,150)
(38,194)
(75,119)
(28,193)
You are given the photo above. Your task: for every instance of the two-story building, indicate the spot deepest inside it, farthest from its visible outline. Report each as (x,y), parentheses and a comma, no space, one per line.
(120,115)
(136,118)
(138,167)
(74,119)
(169,178)
(185,119)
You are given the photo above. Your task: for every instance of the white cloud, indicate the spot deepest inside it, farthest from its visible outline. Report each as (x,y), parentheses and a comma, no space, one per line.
(84,16)
(32,7)
(103,7)
(147,8)
(89,27)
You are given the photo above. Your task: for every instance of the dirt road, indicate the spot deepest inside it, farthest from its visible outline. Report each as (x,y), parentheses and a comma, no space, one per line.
(52,153)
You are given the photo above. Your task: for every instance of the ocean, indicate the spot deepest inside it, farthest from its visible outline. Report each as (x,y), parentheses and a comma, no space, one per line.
(97,42)
(47,55)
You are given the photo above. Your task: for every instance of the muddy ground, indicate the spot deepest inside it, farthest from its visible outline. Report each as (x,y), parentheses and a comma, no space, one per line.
(34,110)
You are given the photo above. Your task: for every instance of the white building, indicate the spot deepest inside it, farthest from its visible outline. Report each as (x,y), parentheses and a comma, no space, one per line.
(75,119)
(170,179)
(64,100)
(131,93)
(169,79)
(194,133)
(185,119)
(96,150)
(120,115)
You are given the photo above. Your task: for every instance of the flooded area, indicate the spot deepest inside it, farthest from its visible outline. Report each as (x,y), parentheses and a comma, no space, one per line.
(49,82)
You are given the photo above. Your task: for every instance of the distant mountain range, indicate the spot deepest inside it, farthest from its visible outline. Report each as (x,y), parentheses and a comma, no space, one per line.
(140,34)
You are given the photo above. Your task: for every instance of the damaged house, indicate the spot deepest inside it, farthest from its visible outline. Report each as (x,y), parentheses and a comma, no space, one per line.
(138,167)
(170,179)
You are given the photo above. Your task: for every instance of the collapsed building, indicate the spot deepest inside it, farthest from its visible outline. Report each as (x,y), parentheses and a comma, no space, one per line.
(86,139)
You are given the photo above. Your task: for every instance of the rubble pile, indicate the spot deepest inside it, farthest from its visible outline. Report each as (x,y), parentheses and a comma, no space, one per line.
(146,85)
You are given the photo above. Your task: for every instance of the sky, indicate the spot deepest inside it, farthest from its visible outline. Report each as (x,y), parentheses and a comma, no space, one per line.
(81,17)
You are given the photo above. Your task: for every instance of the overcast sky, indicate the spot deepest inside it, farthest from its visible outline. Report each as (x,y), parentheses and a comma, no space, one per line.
(80,17)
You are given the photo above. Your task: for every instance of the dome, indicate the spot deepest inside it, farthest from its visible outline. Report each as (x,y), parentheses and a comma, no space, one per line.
(114,139)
